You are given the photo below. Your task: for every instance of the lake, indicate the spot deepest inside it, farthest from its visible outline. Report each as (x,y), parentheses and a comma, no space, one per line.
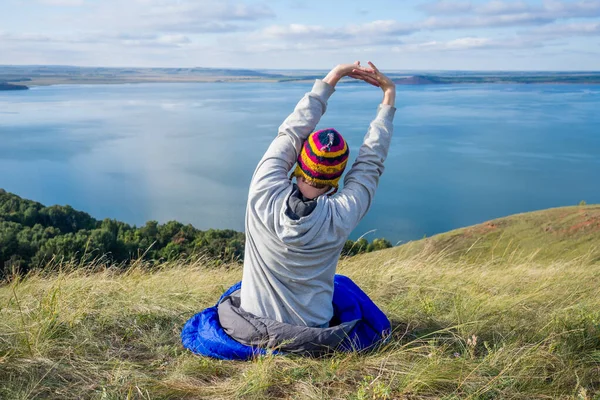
(461,154)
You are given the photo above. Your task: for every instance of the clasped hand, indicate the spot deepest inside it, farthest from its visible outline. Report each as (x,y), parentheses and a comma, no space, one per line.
(369,74)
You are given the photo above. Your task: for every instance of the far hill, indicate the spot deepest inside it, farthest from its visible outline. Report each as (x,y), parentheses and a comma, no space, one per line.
(506,78)
(40,75)
(561,233)
(508,309)
(417,80)
(9,86)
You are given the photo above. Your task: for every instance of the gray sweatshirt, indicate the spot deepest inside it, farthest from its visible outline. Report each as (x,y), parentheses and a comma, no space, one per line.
(289,264)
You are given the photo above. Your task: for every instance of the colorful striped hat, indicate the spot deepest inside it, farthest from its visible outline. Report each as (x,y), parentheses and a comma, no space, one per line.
(323,158)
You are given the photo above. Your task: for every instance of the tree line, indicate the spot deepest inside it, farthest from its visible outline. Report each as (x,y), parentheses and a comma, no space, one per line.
(31,235)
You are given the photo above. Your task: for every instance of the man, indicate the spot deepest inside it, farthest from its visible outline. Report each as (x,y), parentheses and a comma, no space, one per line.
(295,232)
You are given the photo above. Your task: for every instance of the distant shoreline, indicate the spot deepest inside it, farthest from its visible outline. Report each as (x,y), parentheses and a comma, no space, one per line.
(16,77)
(400,82)
(10,87)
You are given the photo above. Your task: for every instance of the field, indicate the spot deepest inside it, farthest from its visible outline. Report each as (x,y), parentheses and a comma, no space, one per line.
(509,309)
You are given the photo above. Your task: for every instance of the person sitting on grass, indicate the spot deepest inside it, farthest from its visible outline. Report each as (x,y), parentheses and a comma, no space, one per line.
(295,232)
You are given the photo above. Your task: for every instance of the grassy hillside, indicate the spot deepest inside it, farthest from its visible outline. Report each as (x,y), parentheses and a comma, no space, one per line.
(548,235)
(507,309)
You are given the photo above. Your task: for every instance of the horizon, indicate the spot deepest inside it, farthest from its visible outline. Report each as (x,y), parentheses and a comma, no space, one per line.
(324,70)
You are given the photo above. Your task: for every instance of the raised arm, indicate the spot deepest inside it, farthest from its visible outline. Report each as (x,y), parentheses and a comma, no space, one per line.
(275,165)
(354,200)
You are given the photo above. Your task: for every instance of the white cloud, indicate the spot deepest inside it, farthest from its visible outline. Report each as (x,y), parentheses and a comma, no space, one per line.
(165,16)
(582,8)
(44,38)
(446,7)
(173,39)
(468,43)
(297,31)
(500,14)
(492,14)
(548,10)
(491,21)
(498,7)
(202,15)
(570,29)
(210,10)
(380,28)
(153,41)
(411,45)
(26,37)
(382,34)
(495,7)
(67,3)
(378,32)
(459,44)
(234,32)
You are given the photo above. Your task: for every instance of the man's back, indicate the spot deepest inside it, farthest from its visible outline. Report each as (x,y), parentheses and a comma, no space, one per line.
(290,263)
(289,266)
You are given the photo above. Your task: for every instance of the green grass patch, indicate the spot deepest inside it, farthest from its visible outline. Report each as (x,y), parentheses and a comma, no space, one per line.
(473,317)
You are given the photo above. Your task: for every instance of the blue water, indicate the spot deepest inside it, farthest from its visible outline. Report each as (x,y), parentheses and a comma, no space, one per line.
(461,154)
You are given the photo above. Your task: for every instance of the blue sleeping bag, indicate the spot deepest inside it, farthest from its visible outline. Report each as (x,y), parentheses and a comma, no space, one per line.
(203,334)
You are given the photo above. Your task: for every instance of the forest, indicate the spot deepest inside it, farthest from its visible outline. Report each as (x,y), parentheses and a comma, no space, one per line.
(33,236)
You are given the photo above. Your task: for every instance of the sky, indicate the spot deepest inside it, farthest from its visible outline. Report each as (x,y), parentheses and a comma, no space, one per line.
(308,34)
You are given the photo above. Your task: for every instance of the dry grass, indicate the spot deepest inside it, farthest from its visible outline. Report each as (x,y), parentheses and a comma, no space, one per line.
(511,328)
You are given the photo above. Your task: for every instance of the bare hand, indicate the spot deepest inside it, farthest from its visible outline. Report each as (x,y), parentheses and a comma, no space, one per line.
(374,75)
(343,70)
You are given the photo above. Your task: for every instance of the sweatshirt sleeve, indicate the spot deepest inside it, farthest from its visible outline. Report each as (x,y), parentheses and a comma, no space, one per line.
(353,201)
(273,169)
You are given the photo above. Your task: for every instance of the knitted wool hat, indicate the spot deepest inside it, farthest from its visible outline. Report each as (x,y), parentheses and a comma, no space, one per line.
(323,158)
